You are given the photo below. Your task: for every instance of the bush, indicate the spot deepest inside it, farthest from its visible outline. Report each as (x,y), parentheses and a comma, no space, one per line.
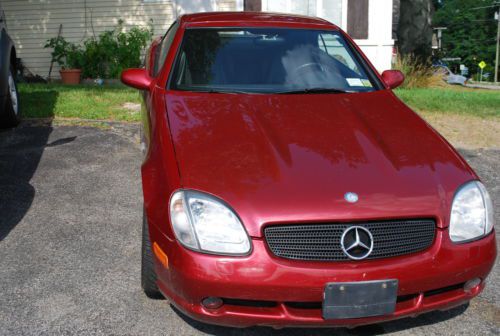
(114,50)
(68,55)
(104,56)
(418,74)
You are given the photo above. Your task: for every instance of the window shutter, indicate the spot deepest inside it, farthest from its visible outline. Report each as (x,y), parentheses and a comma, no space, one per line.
(357,19)
(253,5)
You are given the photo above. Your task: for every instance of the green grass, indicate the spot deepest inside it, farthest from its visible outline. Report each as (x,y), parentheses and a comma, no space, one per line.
(81,102)
(106,102)
(453,100)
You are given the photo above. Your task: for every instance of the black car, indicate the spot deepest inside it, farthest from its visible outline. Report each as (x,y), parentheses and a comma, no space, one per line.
(9,97)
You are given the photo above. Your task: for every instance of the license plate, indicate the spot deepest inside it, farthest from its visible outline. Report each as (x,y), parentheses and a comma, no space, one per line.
(343,300)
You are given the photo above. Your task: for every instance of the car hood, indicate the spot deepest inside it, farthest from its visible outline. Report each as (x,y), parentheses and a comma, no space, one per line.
(292,158)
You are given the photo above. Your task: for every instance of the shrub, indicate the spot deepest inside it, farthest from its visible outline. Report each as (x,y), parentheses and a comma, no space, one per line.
(68,55)
(418,74)
(114,50)
(104,56)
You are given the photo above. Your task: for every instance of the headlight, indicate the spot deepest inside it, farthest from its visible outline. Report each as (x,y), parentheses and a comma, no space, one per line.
(203,223)
(471,213)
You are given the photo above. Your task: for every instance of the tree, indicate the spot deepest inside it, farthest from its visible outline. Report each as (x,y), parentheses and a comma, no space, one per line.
(415,29)
(471,33)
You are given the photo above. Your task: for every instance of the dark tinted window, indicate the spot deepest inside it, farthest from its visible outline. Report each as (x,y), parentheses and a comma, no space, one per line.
(162,49)
(267,60)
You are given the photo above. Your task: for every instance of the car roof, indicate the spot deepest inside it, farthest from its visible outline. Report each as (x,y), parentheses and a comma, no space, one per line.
(241,19)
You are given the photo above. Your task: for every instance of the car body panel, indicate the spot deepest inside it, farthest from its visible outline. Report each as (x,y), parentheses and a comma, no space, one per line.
(261,276)
(253,19)
(291,158)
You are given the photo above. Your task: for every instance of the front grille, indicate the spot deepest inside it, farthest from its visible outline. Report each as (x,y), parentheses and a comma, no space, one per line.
(321,242)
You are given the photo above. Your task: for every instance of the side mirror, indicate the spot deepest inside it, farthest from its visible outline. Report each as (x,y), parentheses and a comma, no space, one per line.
(393,78)
(136,78)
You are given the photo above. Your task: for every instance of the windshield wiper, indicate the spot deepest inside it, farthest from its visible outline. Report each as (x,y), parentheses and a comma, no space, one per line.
(314,90)
(228,91)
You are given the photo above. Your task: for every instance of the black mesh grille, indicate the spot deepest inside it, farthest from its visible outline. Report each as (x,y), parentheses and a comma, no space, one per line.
(321,242)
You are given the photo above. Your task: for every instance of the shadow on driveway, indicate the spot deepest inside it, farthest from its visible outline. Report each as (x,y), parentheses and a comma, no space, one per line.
(20,151)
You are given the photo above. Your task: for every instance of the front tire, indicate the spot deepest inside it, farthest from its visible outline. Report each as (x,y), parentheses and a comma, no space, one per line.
(148,274)
(12,111)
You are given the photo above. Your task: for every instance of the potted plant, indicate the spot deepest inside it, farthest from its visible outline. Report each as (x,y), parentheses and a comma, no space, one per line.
(69,56)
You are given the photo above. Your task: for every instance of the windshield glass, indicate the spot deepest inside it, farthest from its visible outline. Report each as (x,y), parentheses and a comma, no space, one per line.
(268,60)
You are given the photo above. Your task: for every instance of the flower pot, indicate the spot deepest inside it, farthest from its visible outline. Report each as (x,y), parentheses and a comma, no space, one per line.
(70,76)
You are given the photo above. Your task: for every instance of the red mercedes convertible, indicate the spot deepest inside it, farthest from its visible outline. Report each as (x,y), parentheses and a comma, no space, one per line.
(286,185)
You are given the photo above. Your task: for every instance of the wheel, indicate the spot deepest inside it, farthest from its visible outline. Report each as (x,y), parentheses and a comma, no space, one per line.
(12,112)
(148,274)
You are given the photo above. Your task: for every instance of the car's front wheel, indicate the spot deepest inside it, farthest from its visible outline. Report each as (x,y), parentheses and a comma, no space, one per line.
(148,274)
(12,111)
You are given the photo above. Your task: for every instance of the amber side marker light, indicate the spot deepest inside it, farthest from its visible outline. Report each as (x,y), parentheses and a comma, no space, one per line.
(162,256)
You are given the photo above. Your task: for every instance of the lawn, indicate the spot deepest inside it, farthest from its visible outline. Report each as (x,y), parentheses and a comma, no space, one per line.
(453,100)
(79,102)
(110,102)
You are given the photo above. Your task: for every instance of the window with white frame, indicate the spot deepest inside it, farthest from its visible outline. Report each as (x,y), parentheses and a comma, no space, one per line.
(330,10)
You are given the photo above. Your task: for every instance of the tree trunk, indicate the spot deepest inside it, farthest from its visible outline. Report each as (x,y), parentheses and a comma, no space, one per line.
(415,30)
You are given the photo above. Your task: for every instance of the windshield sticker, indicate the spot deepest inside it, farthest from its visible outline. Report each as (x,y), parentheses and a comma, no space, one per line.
(354,82)
(366,83)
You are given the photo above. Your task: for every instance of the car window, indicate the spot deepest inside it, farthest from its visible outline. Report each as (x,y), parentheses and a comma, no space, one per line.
(268,60)
(162,49)
(333,46)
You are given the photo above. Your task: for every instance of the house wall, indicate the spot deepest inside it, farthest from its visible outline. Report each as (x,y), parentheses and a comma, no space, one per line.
(378,47)
(32,22)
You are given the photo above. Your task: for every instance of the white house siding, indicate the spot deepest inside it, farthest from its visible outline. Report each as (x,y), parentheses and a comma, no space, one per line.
(32,22)
(378,47)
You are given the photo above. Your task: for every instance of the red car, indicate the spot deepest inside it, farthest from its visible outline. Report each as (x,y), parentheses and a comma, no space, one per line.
(286,185)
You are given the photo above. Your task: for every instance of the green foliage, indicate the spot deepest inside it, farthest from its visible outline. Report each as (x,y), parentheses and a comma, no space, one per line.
(114,50)
(106,55)
(67,55)
(471,33)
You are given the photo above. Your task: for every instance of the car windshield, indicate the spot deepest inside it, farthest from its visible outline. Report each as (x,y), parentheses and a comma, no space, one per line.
(269,60)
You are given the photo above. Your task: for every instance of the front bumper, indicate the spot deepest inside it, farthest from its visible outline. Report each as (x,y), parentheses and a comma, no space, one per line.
(261,289)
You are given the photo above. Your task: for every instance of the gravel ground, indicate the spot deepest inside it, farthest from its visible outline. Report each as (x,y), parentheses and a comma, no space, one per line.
(70,220)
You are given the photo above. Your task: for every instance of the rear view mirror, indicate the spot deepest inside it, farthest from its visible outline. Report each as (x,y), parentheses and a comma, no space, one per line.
(136,78)
(393,78)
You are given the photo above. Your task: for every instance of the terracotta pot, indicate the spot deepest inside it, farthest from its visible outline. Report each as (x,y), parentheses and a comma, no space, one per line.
(70,76)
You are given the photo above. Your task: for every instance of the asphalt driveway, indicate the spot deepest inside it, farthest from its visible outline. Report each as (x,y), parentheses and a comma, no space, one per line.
(70,221)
